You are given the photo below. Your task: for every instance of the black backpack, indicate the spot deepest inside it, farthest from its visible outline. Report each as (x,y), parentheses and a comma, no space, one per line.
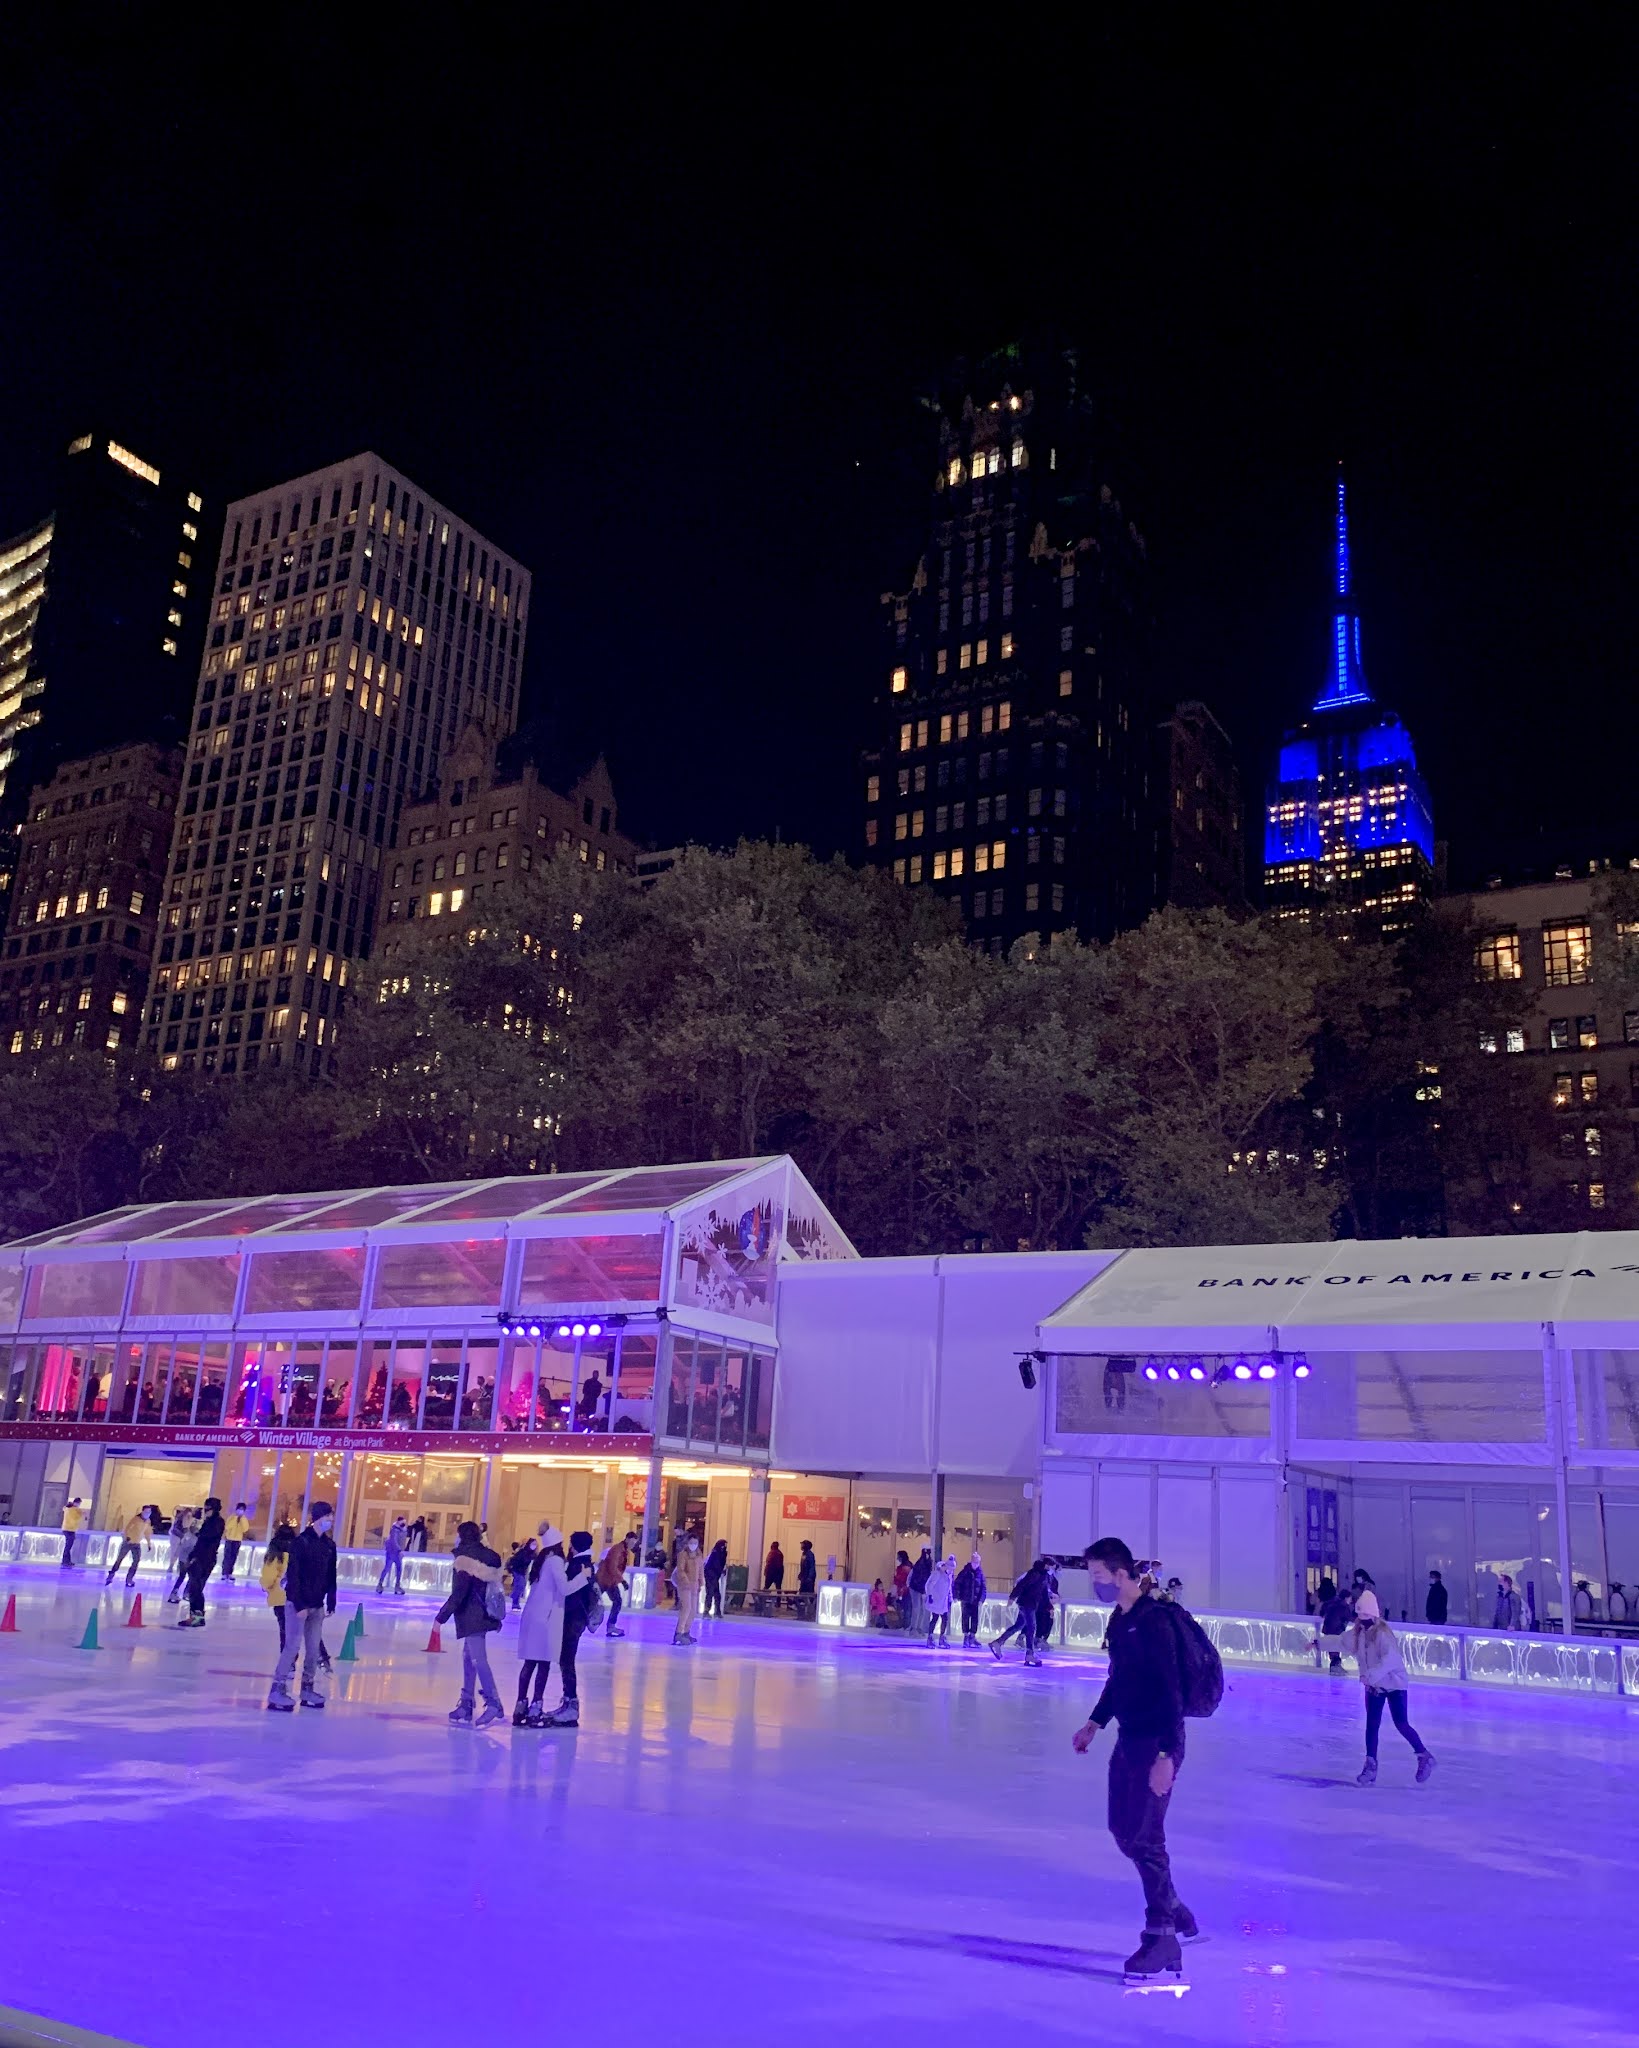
(1200,1668)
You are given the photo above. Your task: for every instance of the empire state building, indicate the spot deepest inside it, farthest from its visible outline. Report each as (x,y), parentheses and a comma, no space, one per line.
(1349,829)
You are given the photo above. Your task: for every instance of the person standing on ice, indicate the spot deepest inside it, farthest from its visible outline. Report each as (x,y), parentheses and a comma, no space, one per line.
(611,1577)
(939,1595)
(234,1531)
(475,1576)
(310,1593)
(134,1535)
(1144,1695)
(1026,1597)
(540,1628)
(687,1575)
(182,1542)
(202,1562)
(73,1521)
(1376,1651)
(275,1560)
(716,1565)
(921,1572)
(902,1587)
(970,1592)
(580,1578)
(393,1546)
(1044,1606)
(1336,1615)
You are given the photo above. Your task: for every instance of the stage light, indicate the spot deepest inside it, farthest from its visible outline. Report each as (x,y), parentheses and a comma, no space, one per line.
(563,1330)
(1242,1370)
(1266,1371)
(1173,1373)
(1197,1371)
(1027,1370)
(594,1329)
(1300,1371)
(1152,1372)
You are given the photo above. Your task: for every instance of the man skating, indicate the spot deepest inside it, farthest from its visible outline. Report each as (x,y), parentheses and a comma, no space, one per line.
(310,1592)
(202,1562)
(1144,1694)
(234,1531)
(73,1522)
(134,1535)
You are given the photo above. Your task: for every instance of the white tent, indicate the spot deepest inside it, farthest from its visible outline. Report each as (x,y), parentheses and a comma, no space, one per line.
(1575,1290)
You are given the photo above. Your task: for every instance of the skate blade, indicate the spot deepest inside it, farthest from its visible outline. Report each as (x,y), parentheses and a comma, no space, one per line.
(1146,1987)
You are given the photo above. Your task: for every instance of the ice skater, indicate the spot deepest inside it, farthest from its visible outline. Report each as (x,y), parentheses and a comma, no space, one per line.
(611,1577)
(275,1560)
(207,1543)
(940,1593)
(182,1543)
(1336,1617)
(687,1575)
(1144,1695)
(234,1531)
(1044,1607)
(310,1594)
(716,1565)
(921,1572)
(970,1592)
(581,1580)
(393,1546)
(73,1521)
(475,1576)
(1376,1651)
(132,1538)
(1026,1599)
(540,1628)
(518,1564)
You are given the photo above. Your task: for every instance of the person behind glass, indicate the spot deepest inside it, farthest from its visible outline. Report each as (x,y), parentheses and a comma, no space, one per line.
(774,1568)
(310,1594)
(275,1561)
(393,1546)
(1509,1611)
(183,1529)
(234,1531)
(902,1587)
(612,1569)
(476,1571)
(940,1593)
(73,1522)
(1376,1651)
(921,1572)
(1044,1607)
(202,1562)
(418,1533)
(807,1571)
(970,1592)
(540,1630)
(1438,1604)
(1026,1597)
(877,1603)
(1144,1696)
(716,1565)
(591,1395)
(1336,1618)
(518,1567)
(687,1576)
(133,1536)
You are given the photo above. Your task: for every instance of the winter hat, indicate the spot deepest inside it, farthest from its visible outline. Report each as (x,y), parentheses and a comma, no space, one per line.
(1366,1607)
(318,1511)
(550,1535)
(581,1540)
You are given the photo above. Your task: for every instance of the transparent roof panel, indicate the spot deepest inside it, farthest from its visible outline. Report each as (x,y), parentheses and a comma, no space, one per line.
(94,1230)
(652,1187)
(238,1219)
(375,1205)
(498,1200)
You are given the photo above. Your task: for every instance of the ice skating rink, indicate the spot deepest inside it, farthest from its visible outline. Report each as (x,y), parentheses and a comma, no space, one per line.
(776,1837)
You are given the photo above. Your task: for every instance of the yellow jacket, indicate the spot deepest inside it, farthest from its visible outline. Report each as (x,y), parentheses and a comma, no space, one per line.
(73,1518)
(136,1530)
(273,1579)
(236,1528)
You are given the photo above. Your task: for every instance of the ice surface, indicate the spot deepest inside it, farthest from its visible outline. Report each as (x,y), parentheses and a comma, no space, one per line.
(776,1837)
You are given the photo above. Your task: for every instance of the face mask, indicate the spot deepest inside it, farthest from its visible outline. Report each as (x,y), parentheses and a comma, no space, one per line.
(1107,1590)
(323,1525)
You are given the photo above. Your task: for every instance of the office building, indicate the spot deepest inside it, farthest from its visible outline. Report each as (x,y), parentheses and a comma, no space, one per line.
(1202,847)
(1009,764)
(357,625)
(102,613)
(1349,827)
(83,916)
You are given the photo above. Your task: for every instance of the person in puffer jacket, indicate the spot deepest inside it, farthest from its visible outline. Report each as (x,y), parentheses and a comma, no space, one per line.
(476,1570)
(1376,1651)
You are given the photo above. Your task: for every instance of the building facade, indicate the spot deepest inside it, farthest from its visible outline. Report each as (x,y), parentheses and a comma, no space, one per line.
(357,625)
(84,914)
(488,819)
(102,614)
(1009,764)
(1349,826)
(1203,850)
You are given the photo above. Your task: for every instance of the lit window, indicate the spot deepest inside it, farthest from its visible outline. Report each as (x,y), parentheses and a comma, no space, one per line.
(939,862)
(904,739)
(873,789)
(899,871)
(1007,647)
(902,825)
(998,853)
(81,901)
(919,821)
(921,732)
(121,1002)
(1588,1087)
(195,502)
(435,903)
(1004,715)
(1563,1091)
(916,867)
(102,897)
(457,898)
(167,645)
(1018,452)
(134,463)
(190,531)
(62,906)
(17,1041)
(178,587)
(981,859)
(1591,1141)
(1587,1032)
(965,658)
(941,661)
(84,1002)
(984,652)
(900,679)
(955,470)
(1498,956)
(112,1041)
(958,856)
(136,903)
(947,726)
(1567,953)
(1596,1194)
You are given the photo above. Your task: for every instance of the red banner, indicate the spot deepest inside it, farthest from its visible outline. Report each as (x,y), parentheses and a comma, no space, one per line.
(406,1442)
(814,1507)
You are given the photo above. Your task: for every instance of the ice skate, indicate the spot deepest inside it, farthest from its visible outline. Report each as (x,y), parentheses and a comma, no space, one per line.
(279,1701)
(312,1698)
(520,1715)
(566,1716)
(492,1713)
(991,1647)
(536,1717)
(461,1715)
(1368,1772)
(610,1633)
(1156,1964)
(1425,1767)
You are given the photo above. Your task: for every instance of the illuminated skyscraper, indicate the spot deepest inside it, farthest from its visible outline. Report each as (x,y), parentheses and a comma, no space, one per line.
(356,627)
(1349,827)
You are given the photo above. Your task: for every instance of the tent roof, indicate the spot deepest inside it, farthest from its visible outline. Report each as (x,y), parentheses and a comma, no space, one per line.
(1405,1294)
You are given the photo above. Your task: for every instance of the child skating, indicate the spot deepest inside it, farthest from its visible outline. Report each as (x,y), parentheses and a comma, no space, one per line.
(1376,1650)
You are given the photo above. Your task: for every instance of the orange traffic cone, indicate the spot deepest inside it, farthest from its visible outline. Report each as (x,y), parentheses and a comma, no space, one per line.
(435,1642)
(134,1618)
(8,1622)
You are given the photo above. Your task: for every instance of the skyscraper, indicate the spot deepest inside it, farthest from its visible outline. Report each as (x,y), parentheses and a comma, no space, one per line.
(1349,828)
(102,612)
(357,626)
(1010,759)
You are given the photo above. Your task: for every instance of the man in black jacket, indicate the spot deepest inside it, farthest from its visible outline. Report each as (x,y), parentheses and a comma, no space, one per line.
(1437,1606)
(1144,1693)
(202,1562)
(310,1593)
(970,1592)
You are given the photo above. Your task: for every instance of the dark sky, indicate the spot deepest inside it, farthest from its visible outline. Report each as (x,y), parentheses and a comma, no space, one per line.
(650,307)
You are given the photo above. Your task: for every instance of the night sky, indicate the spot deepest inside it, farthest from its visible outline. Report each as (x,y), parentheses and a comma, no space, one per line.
(652,310)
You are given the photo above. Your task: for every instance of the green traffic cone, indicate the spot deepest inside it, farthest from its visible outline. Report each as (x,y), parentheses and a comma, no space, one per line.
(358,1622)
(347,1654)
(89,1640)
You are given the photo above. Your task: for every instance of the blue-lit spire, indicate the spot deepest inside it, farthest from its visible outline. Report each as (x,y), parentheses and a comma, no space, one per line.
(1346,678)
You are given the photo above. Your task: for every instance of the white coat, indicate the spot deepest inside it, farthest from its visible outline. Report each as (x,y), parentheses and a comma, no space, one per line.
(540,1626)
(938,1593)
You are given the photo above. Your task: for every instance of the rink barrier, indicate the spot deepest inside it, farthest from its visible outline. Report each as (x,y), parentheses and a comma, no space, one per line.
(425,1572)
(26,2030)
(1443,1656)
